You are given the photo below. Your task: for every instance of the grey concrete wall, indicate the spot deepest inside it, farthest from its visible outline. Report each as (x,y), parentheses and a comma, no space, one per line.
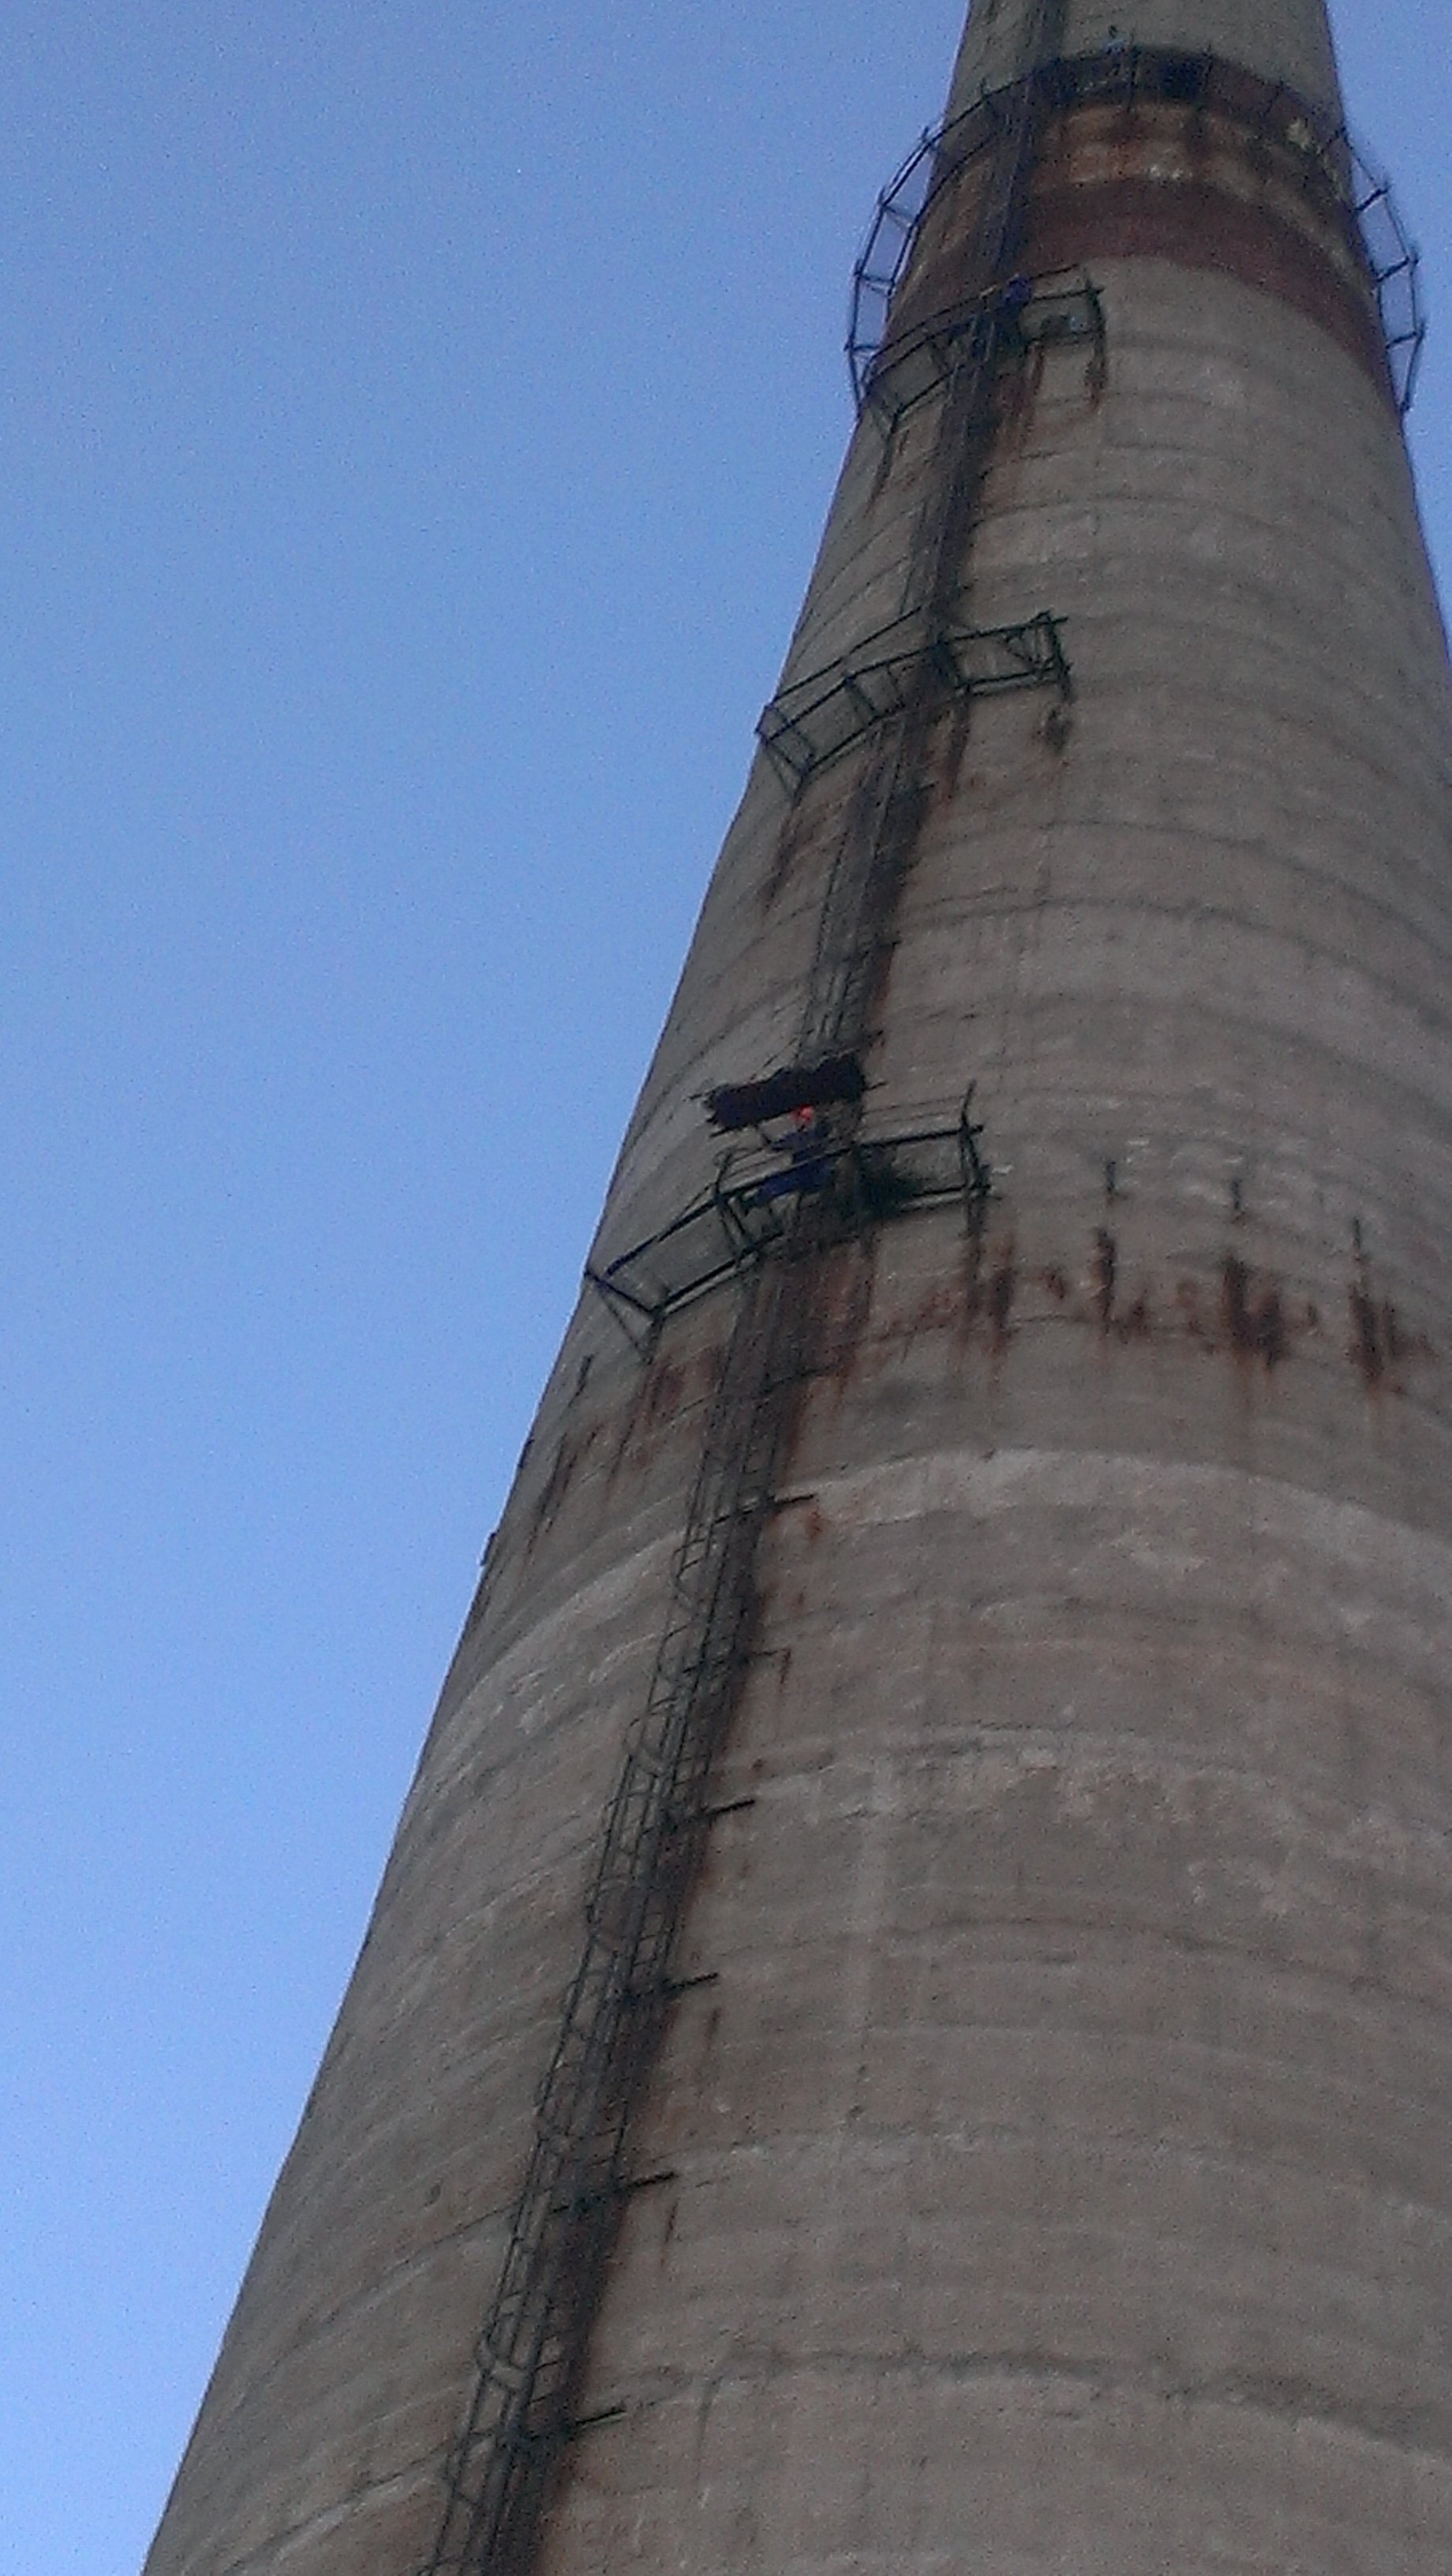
(1062,2185)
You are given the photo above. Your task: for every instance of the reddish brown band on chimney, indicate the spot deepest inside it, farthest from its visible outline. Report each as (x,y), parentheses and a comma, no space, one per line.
(1200,225)
(1208,187)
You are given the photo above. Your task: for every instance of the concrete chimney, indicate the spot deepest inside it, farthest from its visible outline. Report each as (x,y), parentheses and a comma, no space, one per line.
(908,2025)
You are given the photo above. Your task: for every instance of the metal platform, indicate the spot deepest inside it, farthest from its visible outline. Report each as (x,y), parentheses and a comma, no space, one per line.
(819,717)
(1059,311)
(749,1210)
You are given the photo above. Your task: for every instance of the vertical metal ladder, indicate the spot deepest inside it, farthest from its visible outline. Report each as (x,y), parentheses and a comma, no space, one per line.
(530,2357)
(531,2352)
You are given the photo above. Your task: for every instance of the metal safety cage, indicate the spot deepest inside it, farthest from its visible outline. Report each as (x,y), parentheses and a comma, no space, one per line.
(1395,268)
(706,1244)
(1057,310)
(937,157)
(820,717)
(858,1182)
(1148,74)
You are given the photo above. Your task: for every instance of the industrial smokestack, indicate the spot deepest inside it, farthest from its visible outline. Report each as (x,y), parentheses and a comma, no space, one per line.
(906,2026)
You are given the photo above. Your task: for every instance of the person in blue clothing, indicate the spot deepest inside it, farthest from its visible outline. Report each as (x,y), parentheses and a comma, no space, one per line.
(808,1167)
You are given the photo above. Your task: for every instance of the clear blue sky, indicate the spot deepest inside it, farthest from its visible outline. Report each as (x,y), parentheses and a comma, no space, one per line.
(415,426)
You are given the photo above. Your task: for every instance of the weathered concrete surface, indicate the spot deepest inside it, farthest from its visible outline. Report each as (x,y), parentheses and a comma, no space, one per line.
(1062,2185)
(1283,39)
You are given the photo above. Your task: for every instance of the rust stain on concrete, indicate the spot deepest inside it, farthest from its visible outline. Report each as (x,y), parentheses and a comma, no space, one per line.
(1103,1274)
(1252,1315)
(1002,1290)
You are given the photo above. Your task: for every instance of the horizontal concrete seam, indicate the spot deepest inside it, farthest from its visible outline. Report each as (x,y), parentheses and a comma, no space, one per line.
(379,2288)
(1128,2039)
(515,1658)
(387,2490)
(901,2149)
(1037,1737)
(1231,577)
(1047,1744)
(1260,621)
(1299,2403)
(1075,1932)
(1010,902)
(1268,945)
(1317,1815)
(883,2154)
(999,1474)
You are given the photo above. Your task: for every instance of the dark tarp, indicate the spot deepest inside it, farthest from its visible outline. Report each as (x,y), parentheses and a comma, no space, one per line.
(837,1080)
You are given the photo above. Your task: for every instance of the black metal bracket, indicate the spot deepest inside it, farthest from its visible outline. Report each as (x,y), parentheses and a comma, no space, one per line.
(578,2424)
